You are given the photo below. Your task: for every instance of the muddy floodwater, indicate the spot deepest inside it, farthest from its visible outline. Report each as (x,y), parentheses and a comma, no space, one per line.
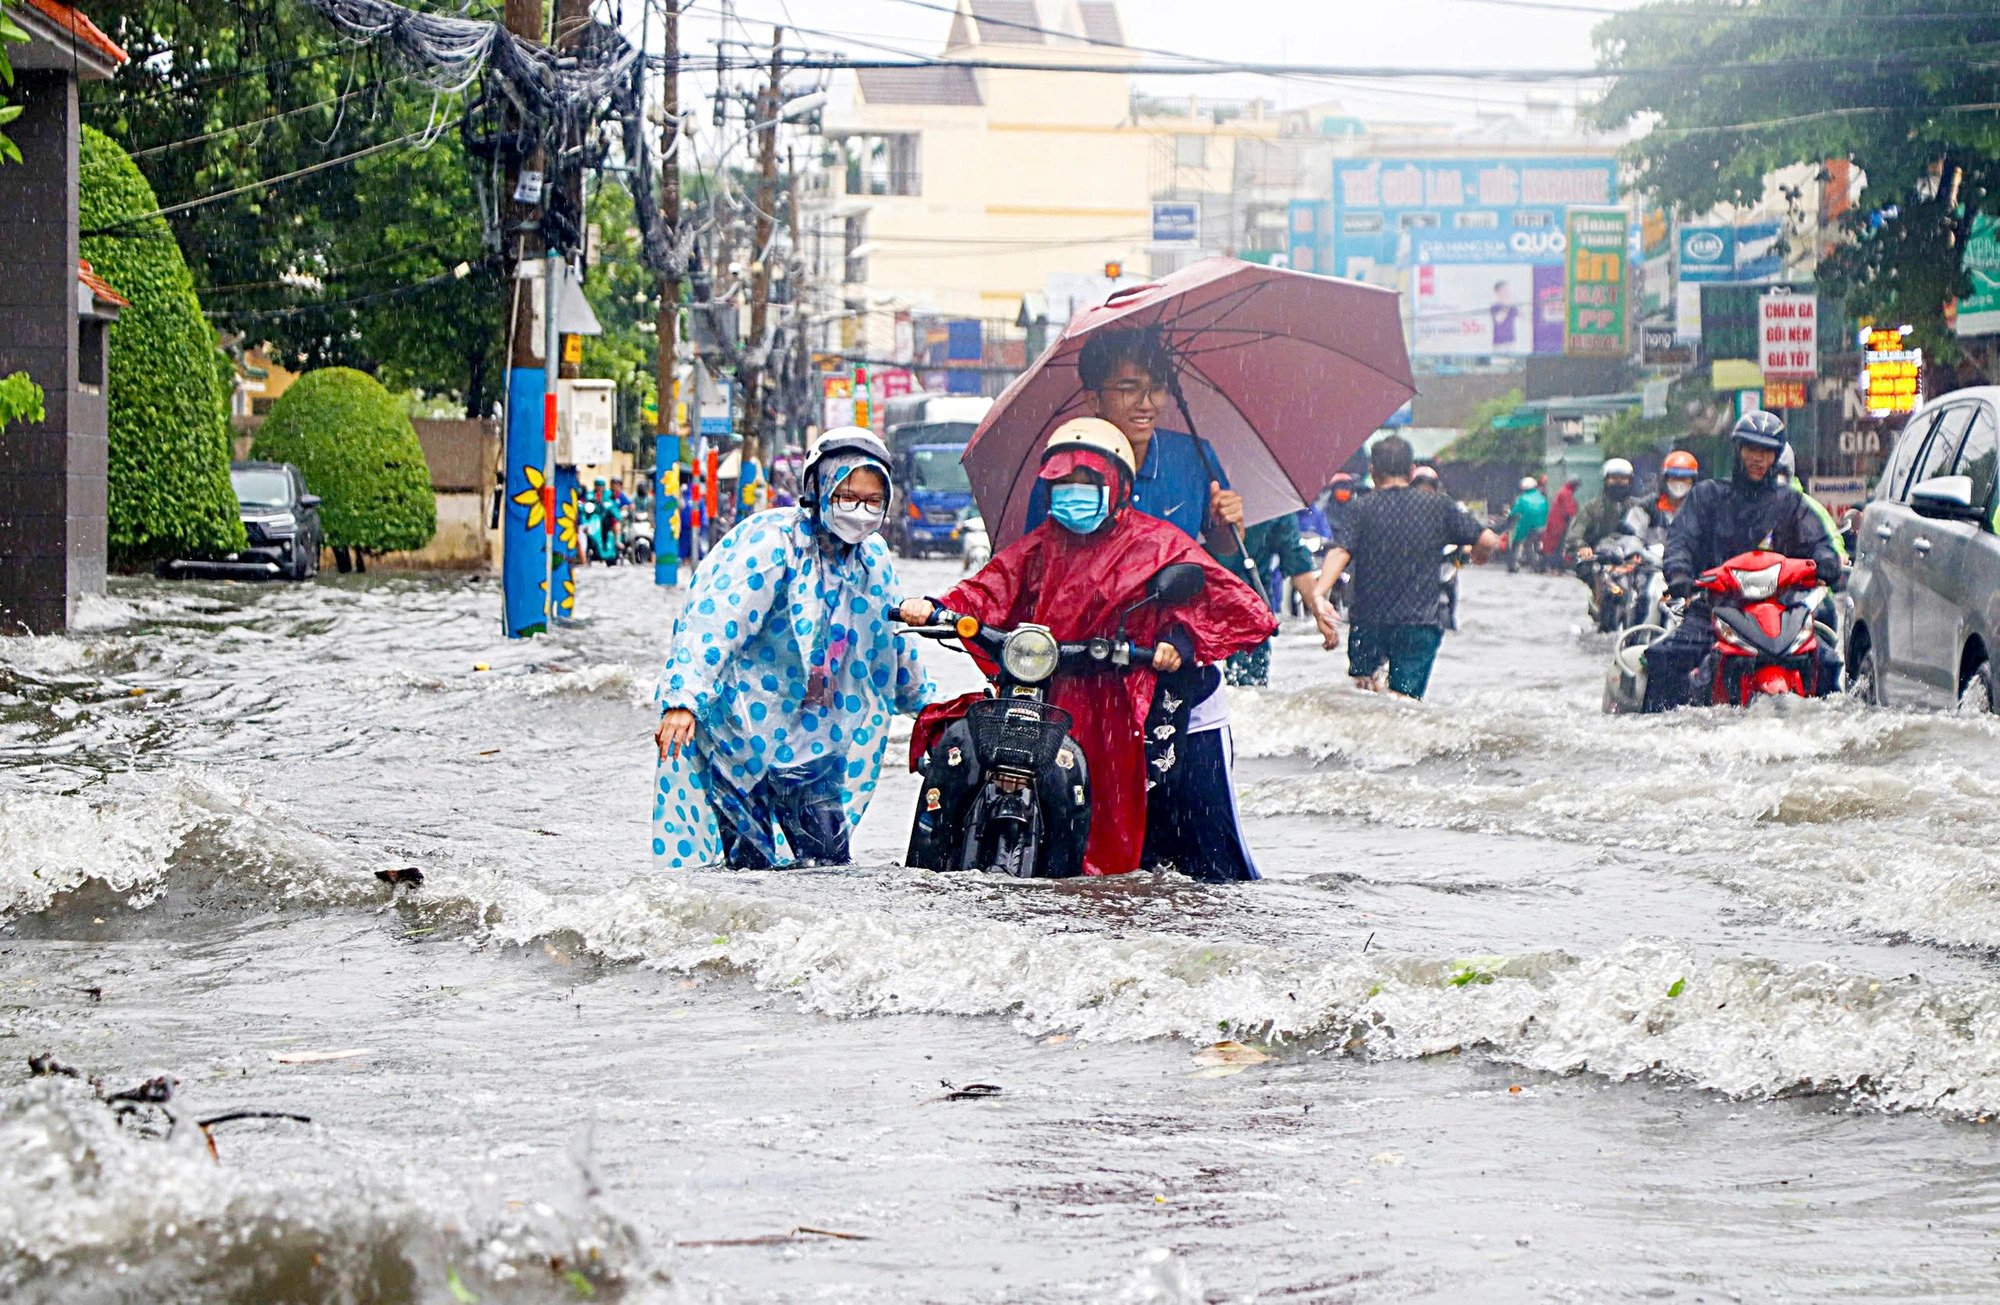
(1558,1007)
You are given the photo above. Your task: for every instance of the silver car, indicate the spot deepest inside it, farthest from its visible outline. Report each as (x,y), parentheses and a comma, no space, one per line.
(1926,581)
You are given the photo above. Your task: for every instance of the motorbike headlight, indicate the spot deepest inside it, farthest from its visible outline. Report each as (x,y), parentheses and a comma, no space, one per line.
(1030,655)
(1758,585)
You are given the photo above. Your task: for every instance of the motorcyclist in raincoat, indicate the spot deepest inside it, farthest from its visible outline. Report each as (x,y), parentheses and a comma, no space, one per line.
(782,673)
(1076,573)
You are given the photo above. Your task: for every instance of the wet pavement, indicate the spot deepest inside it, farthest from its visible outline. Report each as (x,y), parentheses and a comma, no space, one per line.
(1560,1007)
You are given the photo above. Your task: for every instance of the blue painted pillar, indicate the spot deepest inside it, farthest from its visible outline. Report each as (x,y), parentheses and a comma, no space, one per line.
(524,540)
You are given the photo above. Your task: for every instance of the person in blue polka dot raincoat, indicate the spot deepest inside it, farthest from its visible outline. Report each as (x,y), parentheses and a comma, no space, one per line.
(782,674)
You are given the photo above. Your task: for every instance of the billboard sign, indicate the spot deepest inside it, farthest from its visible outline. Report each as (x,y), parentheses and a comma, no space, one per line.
(1380,206)
(1487,295)
(1176,222)
(1979,312)
(1707,254)
(1788,336)
(1760,252)
(1595,282)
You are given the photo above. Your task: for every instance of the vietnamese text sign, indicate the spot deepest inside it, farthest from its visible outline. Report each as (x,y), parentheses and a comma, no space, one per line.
(1891,374)
(1780,395)
(1979,312)
(1176,222)
(1595,282)
(1788,336)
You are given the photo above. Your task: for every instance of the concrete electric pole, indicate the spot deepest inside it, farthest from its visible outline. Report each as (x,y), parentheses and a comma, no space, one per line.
(770,106)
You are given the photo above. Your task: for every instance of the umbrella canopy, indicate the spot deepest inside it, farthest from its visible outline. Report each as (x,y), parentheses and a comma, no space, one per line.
(1285,373)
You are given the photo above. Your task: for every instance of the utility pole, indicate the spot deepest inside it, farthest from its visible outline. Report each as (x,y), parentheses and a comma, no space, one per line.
(667,338)
(525,551)
(770,105)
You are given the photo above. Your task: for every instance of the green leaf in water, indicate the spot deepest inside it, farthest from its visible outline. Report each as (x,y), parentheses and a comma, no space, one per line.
(1680,985)
(1469,975)
(459,1291)
(718,941)
(580,1283)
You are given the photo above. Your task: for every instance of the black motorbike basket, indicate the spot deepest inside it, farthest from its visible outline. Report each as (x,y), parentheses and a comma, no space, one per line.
(1017,733)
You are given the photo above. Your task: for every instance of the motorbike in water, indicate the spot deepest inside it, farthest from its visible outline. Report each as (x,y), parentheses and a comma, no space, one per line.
(1762,607)
(975,546)
(635,541)
(1626,582)
(1449,565)
(1020,786)
(597,528)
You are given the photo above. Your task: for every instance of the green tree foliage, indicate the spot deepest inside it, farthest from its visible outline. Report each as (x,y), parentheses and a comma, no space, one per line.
(1895,86)
(20,399)
(358,452)
(349,266)
(10,34)
(1485,442)
(169,449)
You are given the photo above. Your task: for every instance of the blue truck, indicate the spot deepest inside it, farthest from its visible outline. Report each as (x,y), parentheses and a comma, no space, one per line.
(932,492)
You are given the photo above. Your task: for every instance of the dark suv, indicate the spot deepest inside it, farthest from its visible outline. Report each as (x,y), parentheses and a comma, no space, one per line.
(1926,581)
(281,520)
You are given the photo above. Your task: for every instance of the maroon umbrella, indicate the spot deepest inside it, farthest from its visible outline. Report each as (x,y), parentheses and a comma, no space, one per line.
(1285,373)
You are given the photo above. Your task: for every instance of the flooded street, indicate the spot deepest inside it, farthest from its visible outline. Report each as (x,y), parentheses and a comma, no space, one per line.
(1561,1007)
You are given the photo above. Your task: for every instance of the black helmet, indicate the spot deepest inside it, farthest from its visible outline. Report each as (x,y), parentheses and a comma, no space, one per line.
(842,443)
(1761,430)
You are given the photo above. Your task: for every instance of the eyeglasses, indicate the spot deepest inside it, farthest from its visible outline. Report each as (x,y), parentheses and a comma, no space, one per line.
(851,502)
(1137,389)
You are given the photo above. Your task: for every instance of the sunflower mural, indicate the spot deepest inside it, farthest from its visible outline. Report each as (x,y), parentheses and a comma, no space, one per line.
(569,509)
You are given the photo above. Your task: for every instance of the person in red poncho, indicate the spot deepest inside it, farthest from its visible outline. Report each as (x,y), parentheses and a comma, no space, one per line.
(1077,573)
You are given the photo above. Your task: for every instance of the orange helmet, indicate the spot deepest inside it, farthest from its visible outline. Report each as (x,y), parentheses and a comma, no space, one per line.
(1680,463)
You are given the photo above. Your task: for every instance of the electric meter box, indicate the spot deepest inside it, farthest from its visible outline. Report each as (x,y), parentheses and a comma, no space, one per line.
(584,412)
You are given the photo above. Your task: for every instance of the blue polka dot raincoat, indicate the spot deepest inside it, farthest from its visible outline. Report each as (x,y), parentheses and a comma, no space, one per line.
(774,618)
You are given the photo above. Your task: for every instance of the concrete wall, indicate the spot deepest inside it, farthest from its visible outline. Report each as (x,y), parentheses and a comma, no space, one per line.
(52,472)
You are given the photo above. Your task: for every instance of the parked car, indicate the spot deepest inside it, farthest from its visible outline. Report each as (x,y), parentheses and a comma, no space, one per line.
(281,520)
(1926,582)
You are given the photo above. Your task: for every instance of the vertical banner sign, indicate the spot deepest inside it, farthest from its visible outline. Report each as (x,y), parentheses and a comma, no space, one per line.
(1594,284)
(524,540)
(666,511)
(1788,336)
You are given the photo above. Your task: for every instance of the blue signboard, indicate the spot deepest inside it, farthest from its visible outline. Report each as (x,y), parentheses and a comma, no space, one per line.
(1707,253)
(1379,205)
(1176,222)
(1760,252)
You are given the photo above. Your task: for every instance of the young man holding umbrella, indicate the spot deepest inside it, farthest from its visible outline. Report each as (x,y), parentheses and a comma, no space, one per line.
(1128,380)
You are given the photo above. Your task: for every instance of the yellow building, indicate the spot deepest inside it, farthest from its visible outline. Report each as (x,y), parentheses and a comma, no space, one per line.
(959,190)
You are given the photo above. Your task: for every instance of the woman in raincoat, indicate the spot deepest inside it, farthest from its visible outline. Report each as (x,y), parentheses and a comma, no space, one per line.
(1077,573)
(782,674)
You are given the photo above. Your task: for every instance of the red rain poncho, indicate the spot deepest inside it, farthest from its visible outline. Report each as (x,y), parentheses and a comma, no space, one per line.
(1077,585)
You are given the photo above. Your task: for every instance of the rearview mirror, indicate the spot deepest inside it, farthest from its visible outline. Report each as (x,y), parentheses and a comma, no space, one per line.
(1176,582)
(309,500)
(1948,497)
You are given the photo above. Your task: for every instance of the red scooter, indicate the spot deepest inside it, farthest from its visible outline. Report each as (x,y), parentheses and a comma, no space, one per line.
(1766,640)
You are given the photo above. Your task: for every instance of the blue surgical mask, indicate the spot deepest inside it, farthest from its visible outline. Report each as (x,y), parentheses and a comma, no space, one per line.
(1081,508)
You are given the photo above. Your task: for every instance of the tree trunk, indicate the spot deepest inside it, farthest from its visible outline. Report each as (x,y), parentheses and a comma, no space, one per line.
(475,383)
(343,561)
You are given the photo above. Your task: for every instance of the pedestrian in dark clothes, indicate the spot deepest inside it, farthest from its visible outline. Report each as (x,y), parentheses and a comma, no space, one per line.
(1396,536)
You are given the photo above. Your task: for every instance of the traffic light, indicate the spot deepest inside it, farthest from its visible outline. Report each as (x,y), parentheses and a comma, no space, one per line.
(1113,270)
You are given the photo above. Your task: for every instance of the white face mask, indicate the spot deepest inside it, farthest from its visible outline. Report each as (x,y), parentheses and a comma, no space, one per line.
(1678,488)
(854,524)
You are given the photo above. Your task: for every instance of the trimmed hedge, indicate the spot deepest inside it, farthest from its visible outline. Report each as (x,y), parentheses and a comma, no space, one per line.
(359,453)
(169,457)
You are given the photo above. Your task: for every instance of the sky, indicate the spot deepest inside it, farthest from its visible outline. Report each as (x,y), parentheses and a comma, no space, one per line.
(1426,33)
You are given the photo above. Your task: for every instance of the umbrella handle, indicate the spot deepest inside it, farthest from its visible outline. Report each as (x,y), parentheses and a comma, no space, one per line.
(1250,575)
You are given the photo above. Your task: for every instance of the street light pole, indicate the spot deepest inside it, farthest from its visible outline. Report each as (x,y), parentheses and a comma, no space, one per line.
(769,106)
